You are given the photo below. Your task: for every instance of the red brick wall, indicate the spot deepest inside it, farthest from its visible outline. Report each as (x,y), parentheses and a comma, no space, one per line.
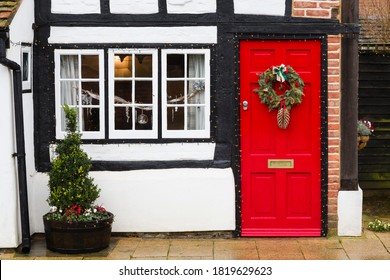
(334,50)
(316,8)
(329,9)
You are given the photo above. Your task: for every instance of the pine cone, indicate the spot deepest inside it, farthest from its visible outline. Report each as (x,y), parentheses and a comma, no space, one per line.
(283,117)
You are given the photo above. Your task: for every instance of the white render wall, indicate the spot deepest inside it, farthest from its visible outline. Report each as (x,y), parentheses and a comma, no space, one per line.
(167,200)
(75,6)
(260,7)
(134,6)
(20,32)
(148,152)
(9,194)
(183,35)
(191,6)
(256,7)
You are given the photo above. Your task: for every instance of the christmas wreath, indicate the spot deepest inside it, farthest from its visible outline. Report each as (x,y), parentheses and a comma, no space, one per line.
(290,82)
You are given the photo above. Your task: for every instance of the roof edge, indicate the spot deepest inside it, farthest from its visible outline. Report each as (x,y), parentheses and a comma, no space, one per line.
(8,9)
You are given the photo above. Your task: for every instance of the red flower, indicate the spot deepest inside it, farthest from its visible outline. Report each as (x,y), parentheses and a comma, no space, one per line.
(266,80)
(100,209)
(297,84)
(76,209)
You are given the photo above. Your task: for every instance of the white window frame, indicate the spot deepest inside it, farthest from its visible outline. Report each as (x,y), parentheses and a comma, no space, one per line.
(60,134)
(133,133)
(205,133)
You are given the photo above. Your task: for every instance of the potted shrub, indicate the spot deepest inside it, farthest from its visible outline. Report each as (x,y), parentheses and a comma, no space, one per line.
(74,224)
(364,130)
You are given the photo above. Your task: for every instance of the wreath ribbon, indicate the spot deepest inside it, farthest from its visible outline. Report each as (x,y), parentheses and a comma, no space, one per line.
(279,71)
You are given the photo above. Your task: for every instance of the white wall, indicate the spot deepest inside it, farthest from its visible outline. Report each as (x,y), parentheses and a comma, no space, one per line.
(191,6)
(20,31)
(169,200)
(182,34)
(134,6)
(256,7)
(260,7)
(9,195)
(148,152)
(75,6)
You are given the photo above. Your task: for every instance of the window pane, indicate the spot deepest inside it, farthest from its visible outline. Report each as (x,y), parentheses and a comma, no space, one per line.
(144,118)
(195,118)
(123,66)
(90,93)
(143,65)
(196,67)
(175,65)
(144,92)
(26,67)
(123,92)
(175,92)
(185,93)
(196,92)
(123,118)
(69,92)
(69,68)
(175,118)
(79,83)
(90,66)
(90,119)
(133,86)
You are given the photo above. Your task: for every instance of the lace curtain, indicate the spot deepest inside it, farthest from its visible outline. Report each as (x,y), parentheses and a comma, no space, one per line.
(69,73)
(196,69)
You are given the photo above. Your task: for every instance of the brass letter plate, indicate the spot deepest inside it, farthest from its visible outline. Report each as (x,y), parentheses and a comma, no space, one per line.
(280,163)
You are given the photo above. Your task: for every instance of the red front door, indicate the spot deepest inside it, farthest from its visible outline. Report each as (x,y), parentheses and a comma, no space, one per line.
(280,168)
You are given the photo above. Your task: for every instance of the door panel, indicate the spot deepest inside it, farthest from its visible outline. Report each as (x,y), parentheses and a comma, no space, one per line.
(263,194)
(280,168)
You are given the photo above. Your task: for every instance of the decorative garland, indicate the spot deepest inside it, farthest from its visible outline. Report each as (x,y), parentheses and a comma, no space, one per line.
(290,82)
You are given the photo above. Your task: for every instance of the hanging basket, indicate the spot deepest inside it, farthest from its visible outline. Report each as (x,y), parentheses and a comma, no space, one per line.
(362,141)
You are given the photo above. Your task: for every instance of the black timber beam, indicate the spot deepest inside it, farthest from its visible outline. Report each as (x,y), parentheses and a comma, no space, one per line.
(349,99)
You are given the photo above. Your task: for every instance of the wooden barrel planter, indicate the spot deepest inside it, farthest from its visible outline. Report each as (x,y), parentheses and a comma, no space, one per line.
(78,237)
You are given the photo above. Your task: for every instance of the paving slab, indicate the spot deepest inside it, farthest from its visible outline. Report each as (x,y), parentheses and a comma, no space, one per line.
(279,249)
(385,239)
(235,250)
(365,249)
(191,248)
(150,252)
(322,249)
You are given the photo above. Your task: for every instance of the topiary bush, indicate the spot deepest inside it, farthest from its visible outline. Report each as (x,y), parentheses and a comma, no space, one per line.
(72,190)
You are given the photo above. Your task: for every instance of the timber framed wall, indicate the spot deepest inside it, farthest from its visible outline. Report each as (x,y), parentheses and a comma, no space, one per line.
(302,19)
